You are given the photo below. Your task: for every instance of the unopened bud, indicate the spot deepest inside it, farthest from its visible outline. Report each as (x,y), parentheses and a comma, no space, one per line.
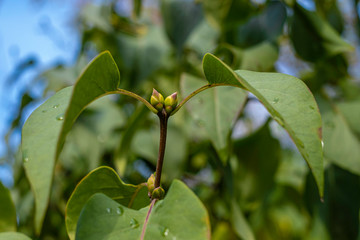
(157,100)
(171,102)
(158,193)
(151,183)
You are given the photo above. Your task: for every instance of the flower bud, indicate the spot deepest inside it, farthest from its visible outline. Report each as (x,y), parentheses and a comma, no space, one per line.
(171,102)
(151,183)
(158,193)
(157,100)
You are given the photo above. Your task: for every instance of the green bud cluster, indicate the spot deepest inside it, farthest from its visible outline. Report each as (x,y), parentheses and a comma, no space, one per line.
(158,102)
(154,193)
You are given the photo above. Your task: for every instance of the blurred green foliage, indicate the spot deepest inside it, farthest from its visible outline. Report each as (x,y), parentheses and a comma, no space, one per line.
(265,190)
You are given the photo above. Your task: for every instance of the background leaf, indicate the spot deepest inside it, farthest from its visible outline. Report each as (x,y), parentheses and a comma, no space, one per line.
(104,218)
(341,146)
(103,180)
(7,210)
(215,109)
(13,236)
(45,131)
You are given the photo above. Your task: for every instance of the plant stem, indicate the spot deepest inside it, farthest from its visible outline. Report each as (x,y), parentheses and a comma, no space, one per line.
(163,116)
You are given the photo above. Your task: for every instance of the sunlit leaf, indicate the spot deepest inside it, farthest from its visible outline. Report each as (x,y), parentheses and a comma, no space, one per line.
(44,133)
(103,218)
(103,180)
(284,97)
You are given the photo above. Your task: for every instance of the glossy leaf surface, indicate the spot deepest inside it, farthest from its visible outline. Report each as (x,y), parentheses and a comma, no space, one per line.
(45,131)
(285,97)
(103,180)
(103,218)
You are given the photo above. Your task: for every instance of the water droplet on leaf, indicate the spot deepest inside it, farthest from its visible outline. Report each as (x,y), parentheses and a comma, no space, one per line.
(165,232)
(26,159)
(108,210)
(322,144)
(134,223)
(56,105)
(276,100)
(312,107)
(60,117)
(119,211)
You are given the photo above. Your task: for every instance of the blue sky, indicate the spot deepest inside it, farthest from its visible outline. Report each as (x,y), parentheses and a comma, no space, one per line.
(43,29)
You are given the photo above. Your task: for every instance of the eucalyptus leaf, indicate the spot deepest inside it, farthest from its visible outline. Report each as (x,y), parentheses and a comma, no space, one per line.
(103,180)
(44,132)
(7,211)
(13,236)
(284,97)
(103,218)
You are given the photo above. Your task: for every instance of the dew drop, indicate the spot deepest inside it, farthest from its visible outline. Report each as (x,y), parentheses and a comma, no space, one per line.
(276,100)
(322,144)
(60,117)
(108,210)
(56,106)
(134,223)
(312,107)
(119,211)
(165,233)
(26,159)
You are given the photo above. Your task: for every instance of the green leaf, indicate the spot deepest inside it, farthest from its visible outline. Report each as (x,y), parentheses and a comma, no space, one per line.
(251,61)
(13,236)
(44,132)
(181,216)
(215,109)
(180,18)
(103,180)
(284,97)
(258,158)
(351,112)
(313,37)
(7,211)
(266,26)
(240,224)
(341,146)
